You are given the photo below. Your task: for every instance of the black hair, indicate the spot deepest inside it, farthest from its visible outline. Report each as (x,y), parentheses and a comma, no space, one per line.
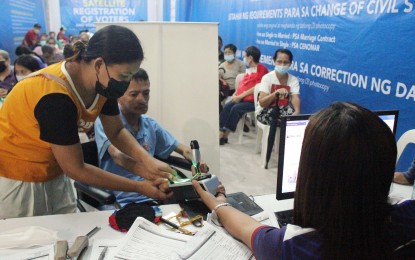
(254,52)
(346,167)
(47,49)
(68,51)
(51,38)
(230,46)
(22,50)
(27,61)
(285,51)
(115,44)
(141,75)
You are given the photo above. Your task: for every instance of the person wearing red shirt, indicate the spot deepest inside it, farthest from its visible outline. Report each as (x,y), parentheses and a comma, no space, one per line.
(31,38)
(243,100)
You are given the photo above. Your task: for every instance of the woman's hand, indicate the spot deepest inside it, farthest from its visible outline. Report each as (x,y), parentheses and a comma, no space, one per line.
(208,199)
(156,189)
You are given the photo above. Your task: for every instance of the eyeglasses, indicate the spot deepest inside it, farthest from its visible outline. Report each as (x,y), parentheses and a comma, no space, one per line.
(283,62)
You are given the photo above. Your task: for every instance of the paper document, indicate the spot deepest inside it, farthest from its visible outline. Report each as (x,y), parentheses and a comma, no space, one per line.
(212,243)
(146,240)
(40,253)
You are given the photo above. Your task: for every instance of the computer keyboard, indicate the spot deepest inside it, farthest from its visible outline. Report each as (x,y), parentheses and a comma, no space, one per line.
(285,217)
(242,202)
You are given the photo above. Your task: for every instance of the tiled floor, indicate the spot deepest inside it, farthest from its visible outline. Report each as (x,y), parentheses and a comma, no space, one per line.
(240,167)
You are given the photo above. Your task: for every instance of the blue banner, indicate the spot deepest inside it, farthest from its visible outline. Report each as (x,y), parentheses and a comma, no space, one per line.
(78,15)
(359,51)
(17,17)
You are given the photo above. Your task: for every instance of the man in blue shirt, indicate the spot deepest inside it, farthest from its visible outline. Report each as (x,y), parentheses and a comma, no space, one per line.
(406,178)
(156,140)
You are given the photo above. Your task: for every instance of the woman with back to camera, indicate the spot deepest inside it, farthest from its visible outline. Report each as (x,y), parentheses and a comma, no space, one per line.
(39,143)
(341,208)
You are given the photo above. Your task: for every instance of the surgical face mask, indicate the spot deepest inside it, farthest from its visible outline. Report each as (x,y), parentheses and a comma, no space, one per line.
(19,77)
(282,69)
(246,62)
(229,58)
(115,88)
(3,66)
(42,43)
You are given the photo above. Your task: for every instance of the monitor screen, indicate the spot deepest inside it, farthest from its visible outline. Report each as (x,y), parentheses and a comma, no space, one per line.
(290,142)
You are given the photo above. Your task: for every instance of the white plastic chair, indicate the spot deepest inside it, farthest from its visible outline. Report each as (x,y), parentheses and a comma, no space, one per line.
(407,138)
(262,135)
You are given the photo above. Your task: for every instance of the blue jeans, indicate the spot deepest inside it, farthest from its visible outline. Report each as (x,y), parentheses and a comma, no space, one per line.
(232,113)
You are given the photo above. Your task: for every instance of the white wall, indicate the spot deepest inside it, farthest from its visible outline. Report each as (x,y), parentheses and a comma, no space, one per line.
(181,60)
(54,14)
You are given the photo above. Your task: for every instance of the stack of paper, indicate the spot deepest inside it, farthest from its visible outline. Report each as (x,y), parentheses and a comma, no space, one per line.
(146,240)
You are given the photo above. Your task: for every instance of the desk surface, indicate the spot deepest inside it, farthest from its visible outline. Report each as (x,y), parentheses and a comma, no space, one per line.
(69,226)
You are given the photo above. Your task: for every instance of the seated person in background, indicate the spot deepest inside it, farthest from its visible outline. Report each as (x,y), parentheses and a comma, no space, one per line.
(24,65)
(53,43)
(279,88)
(156,140)
(20,50)
(84,37)
(405,178)
(231,67)
(340,206)
(7,79)
(243,99)
(50,56)
(279,91)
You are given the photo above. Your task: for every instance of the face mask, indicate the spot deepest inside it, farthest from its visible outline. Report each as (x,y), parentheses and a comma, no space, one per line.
(42,43)
(282,69)
(3,66)
(246,62)
(229,58)
(115,88)
(19,78)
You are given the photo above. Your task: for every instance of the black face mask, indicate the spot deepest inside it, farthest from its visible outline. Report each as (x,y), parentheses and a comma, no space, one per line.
(115,88)
(3,66)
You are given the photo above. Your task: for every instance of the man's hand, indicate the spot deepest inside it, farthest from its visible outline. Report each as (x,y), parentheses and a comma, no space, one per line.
(156,169)
(156,189)
(208,199)
(282,92)
(400,178)
(237,99)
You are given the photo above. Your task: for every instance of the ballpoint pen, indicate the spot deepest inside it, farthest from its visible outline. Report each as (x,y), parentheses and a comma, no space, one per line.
(171,224)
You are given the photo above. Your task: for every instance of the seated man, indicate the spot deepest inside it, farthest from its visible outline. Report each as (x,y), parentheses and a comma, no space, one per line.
(156,140)
(405,178)
(7,79)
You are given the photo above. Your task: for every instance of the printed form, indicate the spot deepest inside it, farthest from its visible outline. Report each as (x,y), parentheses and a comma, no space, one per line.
(146,240)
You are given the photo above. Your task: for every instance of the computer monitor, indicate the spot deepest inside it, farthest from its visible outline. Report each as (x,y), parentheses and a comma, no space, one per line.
(291,139)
